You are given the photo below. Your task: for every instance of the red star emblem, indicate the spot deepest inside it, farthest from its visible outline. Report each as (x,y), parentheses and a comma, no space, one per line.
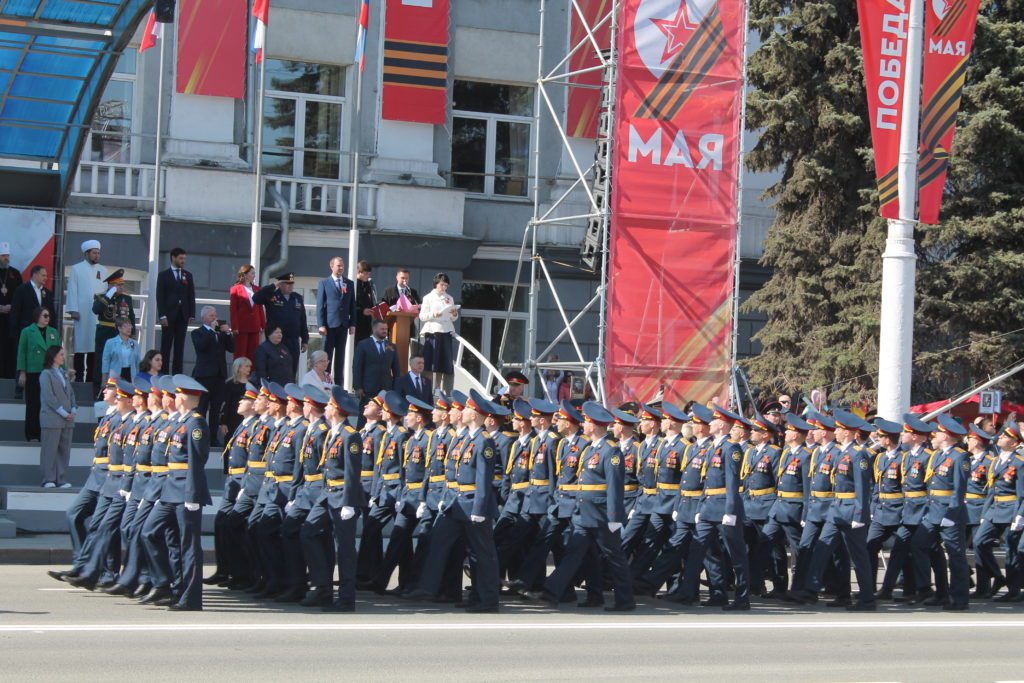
(677,30)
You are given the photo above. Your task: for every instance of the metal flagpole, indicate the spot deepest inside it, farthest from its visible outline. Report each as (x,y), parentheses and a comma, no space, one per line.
(737,261)
(896,340)
(148,340)
(256,236)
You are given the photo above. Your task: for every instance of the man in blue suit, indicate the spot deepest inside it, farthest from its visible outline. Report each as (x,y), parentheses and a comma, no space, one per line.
(336,315)
(375,366)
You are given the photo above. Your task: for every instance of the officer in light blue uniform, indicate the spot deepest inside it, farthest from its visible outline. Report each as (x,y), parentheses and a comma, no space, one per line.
(647,461)
(759,473)
(624,432)
(512,531)
(1004,508)
(720,517)
(979,444)
(945,516)
(183,495)
(338,507)
(598,518)
(848,519)
(887,502)
(503,440)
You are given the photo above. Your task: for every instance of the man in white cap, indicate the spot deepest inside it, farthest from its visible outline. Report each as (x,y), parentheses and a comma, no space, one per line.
(85,280)
(10,279)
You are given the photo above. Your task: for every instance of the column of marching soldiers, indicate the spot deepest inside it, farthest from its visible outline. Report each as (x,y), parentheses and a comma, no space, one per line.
(635,499)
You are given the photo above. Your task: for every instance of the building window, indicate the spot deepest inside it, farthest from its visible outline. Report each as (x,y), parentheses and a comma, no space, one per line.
(483,315)
(302,119)
(492,128)
(110,135)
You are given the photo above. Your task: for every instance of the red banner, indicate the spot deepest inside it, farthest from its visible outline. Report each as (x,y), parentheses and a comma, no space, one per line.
(211,48)
(883,39)
(948,34)
(585,102)
(416,61)
(673,238)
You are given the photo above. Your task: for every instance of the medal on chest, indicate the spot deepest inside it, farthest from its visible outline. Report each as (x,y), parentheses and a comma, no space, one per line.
(944,467)
(672,460)
(467,455)
(1010,474)
(763,465)
(978,475)
(844,465)
(417,454)
(593,461)
(793,467)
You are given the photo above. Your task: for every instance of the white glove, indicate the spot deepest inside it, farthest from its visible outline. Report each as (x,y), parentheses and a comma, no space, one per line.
(630,515)
(476,518)
(803,523)
(421,510)
(615,526)
(696,519)
(946,522)
(347,513)
(191,507)
(289,505)
(856,525)
(111,292)
(373,501)
(440,507)
(1016,523)
(124,494)
(729,520)
(398,506)
(675,515)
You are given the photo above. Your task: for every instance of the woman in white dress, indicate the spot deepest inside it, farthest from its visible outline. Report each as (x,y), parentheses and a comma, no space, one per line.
(438,312)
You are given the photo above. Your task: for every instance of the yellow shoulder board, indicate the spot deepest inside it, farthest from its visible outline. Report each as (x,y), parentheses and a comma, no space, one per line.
(350,429)
(323,427)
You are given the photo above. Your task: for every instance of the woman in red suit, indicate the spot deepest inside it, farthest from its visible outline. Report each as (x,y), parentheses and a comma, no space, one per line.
(247,319)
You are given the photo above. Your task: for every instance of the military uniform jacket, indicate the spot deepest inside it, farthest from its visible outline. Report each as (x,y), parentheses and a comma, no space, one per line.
(852,484)
(629,450)
(144,454)
(110,310)
(341,462)
(722,483)
(387,476)
(823,461)
(691,480)
(794,486)
(282,461)
(503,443)
(475,471)
(370,437)
(289,313)
(570,450)
(309,477)
(915,468)
(540,494)
(947,475)
(415,460)
(170,426)
(237,448)
(647,474)
(1005,490)
(131,448)
(667,472)
(759,472)
(451,469)
(977,486)
(437,457)
(115,457)
(887,506)
(600,498)
(263,431)
(186,460)
(517,474)
(100,459)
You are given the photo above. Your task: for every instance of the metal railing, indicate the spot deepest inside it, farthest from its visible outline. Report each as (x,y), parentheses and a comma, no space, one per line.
(493,376)
(320,197)
(109,179)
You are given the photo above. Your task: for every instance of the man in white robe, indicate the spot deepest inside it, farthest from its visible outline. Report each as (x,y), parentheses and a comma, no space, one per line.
(85,280)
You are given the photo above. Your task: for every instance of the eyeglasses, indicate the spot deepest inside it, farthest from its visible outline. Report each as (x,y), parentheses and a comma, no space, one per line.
(44,315)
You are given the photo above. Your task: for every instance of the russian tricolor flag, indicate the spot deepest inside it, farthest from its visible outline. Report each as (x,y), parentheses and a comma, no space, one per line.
(364,22)
(154,30)
(260,10)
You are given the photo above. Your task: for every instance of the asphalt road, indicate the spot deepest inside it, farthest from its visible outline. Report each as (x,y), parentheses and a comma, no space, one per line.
(50,631)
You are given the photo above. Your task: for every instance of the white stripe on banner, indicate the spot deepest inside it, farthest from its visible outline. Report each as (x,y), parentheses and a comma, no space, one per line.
(27,231)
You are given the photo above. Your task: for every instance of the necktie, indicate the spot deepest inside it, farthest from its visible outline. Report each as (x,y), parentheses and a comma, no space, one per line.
(177,275)
(416,379)
(337,285)
(380,348)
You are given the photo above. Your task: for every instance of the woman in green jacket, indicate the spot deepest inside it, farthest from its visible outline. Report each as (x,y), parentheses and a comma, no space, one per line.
(32,345)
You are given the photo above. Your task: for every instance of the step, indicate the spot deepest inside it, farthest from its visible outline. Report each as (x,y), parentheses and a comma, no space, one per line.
(83,391)
(12,422)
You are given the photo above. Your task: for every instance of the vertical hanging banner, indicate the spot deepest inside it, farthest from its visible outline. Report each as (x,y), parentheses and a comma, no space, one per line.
(584,102)
(674,202)
(883,40)
(416,61)
(948,34)
(211,48)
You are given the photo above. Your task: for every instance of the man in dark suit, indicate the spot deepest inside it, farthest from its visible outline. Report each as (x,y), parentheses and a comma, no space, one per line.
(336,315)
(413,383)
(211,343)
(375,366)
(27,297)
(175,309)
(366,299)
(10,280)
(391,294)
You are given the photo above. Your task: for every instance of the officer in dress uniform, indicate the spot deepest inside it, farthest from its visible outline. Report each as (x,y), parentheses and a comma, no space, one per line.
(307,485)
(979,444)
(511,531)
(946,515)
(639,517)
(759,473)
(451,584)
(848,519)
(624,431)
(140,402)
(786,517)
(493,425)
(110,307)
(598,518)
(337,509)
(435,485)
(517,383)
(285,308)
(1003,510)
(184,493)
(887,503)
(470,517)
(276,493)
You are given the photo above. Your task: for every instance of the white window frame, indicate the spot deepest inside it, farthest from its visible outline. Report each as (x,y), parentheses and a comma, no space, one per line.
(491,145)
(134,145)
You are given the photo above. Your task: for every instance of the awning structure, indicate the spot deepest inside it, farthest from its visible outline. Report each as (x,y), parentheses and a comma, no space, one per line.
(56,56)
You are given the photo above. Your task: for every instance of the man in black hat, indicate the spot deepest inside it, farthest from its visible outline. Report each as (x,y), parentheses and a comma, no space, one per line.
(286,308)
(110,307)
(517,382)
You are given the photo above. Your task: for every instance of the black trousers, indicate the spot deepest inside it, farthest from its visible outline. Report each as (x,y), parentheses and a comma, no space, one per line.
(174,336)
(8,349)
(32,429)
(334,347)
(211,402)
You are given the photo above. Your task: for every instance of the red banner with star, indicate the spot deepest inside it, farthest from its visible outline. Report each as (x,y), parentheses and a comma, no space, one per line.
(674,202)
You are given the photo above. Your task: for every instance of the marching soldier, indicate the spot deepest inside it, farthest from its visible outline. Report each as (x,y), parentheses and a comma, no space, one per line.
(517,383)
(512,530)
(1004,507)
(436,485)
(647,472)
(887,505)
(285,309)
(759,474)
(503,443)
(371,435)
(624,431)
(979,443)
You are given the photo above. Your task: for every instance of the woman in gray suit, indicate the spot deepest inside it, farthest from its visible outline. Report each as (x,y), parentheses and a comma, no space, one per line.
(57,419)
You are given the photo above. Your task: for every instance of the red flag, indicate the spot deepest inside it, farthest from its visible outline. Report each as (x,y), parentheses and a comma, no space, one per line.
(154,30)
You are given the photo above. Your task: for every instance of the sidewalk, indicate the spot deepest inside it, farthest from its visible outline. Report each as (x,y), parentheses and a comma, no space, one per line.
(51,549)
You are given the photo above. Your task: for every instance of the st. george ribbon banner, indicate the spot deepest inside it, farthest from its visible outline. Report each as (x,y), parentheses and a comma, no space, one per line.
(948,34)
(415,74)
(674,202)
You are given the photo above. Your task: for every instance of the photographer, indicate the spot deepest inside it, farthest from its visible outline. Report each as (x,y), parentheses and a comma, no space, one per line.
(212,341)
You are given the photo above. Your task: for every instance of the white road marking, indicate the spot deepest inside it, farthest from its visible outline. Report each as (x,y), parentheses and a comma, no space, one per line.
(517,626)
(60,590)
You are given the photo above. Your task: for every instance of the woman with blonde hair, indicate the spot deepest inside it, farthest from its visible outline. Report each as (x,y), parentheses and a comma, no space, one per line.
(247,317)
(234,388)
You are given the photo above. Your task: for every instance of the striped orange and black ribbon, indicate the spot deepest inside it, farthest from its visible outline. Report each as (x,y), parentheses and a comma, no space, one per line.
(687,70)
(420,65)
(939,116)
(956,11)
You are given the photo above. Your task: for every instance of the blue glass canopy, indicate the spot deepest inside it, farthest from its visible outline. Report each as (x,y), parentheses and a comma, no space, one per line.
(56,56)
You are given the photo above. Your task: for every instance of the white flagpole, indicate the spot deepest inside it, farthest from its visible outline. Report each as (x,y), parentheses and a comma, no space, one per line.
(256,235)
(148,339)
